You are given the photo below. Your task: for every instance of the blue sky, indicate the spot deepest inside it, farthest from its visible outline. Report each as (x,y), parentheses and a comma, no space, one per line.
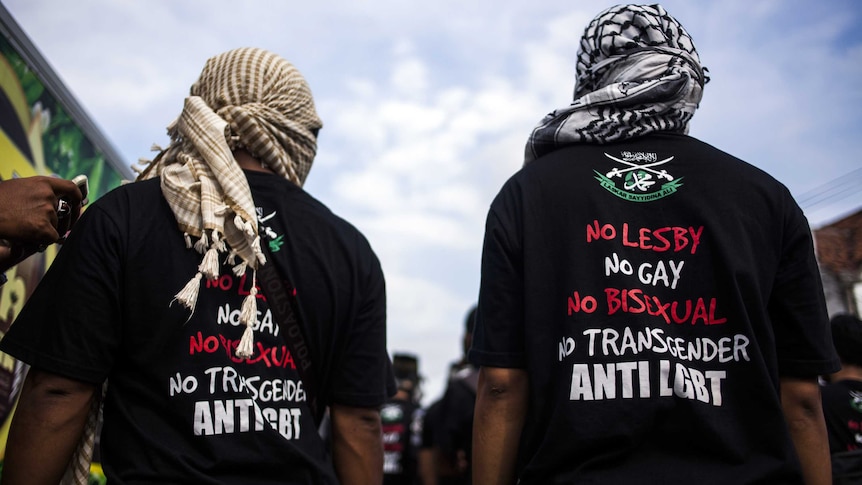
(426,107)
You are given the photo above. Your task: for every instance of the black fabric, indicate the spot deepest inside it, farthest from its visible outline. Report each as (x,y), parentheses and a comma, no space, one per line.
(104,310)
(606,269)
(847,468)
(456,414)
(402,436)
(842,408)
(278,292)
(429,424)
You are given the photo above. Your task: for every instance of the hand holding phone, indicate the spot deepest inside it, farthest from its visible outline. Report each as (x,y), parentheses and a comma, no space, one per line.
(64,208)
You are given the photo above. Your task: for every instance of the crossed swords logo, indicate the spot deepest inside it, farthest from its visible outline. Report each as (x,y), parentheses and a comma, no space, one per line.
(641,175)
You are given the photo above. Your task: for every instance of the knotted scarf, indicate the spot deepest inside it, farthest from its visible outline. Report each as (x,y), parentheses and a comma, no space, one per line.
(638,72)
(247,99)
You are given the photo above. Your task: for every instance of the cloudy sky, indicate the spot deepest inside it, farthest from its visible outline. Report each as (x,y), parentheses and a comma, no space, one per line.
(426,107)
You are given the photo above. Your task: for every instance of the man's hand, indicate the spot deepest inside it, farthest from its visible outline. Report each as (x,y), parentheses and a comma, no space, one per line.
(28,209)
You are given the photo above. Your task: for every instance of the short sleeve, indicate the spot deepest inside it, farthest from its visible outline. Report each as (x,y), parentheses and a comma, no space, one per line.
(364,377)
(498,337)
(70,326)
(797,306)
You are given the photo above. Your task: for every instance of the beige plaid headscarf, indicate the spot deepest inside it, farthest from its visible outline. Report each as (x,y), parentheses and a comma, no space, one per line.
(246,99)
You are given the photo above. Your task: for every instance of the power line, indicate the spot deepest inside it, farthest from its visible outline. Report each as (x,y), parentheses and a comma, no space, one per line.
(840,187)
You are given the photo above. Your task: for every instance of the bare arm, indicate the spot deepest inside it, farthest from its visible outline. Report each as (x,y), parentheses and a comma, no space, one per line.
(501,407)
(357,445)
(800,399)
(427,469)
(46,428)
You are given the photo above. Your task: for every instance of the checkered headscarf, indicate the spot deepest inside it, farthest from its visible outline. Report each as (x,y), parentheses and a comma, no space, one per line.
(244,99)
(638,72)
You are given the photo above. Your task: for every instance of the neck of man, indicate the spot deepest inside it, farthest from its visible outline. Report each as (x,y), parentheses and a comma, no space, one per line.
(248,162)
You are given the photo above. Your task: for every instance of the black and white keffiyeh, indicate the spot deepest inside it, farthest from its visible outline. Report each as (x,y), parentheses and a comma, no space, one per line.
(638,72)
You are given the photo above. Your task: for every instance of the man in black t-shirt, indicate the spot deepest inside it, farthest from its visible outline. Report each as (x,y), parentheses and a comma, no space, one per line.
(203,386)
(650,309)
(402,424)
(842,400)
(455,423)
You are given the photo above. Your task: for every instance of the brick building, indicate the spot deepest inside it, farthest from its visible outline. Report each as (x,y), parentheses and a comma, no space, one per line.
(839,252)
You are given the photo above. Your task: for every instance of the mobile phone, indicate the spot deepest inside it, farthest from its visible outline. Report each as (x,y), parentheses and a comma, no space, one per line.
(63,208)
(83,184)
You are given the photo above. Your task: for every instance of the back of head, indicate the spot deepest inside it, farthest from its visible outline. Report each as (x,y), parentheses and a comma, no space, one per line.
(405,367)
(638,72)
(268,106)
(625,30)
(847,338)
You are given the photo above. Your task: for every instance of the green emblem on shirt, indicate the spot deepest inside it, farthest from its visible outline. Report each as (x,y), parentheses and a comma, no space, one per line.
(638,179)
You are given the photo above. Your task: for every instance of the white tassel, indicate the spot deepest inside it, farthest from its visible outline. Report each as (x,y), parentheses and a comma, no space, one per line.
(245,349)
(248,228)
(188,296)
(248,316)
(209,265)
(231,258)
(188,240)
(248,313)
(239,269)
(255,246)
(219,243)
(155,148)
(202,243)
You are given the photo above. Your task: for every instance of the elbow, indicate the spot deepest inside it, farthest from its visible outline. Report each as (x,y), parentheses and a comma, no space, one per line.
(497,384)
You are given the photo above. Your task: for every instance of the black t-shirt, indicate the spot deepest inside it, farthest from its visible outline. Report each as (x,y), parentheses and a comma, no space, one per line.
(842,408)
(456,417)
(654,290)
(181,407)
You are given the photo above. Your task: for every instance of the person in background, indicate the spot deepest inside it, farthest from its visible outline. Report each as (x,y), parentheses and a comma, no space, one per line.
(402,424)
(455,418)
(650,307)
(443,455)
(156,293)
(427,457)
(842,401)
(29,216)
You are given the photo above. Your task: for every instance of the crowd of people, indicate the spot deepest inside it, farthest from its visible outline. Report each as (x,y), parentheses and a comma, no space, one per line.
(226,327)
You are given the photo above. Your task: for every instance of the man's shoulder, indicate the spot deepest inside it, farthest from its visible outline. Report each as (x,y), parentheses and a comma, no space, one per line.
(275,190)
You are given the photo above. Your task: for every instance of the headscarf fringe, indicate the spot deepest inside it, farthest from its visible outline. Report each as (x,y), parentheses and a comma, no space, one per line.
(188,296)
(202,243)
(219,243)
(255,246)
(245,349)
(209,265)
(239,269)
(248,316)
